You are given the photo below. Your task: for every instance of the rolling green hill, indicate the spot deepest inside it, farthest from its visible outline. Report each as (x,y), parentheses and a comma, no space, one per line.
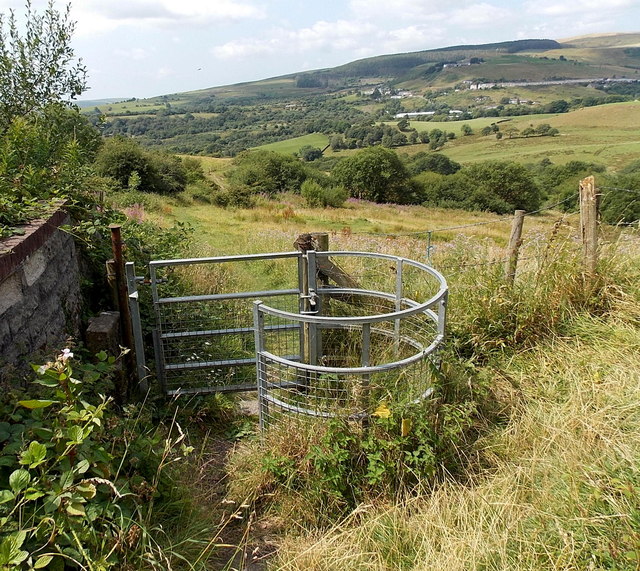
(508,79)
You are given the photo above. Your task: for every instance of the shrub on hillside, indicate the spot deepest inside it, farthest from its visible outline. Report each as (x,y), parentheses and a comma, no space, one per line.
(375,174)
(135,168)
(266,172)
(493,186)
(433,162)
(43,158)
(316,195)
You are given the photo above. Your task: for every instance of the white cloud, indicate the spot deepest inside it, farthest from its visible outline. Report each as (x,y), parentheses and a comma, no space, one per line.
(340,35)
(554,8)
(95,16)
(408,10)
(477,16)
(135,54)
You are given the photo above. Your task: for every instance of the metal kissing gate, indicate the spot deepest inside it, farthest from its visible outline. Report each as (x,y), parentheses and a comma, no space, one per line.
(312,336)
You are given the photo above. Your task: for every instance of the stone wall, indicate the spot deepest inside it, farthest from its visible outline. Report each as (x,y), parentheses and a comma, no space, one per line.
(40,296)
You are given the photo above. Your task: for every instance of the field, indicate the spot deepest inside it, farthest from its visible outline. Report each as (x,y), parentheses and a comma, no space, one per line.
(291,146)
(549,479)
(607,134)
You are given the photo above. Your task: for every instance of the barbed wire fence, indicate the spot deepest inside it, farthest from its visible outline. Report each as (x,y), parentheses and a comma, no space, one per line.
(589,198)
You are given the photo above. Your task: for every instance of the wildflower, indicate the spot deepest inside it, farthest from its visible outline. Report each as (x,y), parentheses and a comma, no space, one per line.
(66,355)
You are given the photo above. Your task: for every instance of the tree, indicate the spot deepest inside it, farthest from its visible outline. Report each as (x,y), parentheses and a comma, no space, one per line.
(37,66)
(466,130)
(309,153)
(501,187)
(267,172)
(403,124)
(375,174)
(434,162)
(125,161)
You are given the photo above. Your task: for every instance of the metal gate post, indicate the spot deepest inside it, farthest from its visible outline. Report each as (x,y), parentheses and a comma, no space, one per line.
(136,326)
(157,330)
(313,307)
(398,304)
(261,377)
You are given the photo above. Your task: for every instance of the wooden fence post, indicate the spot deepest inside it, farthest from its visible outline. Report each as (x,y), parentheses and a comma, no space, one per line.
(322,245)
(123,308)
(515,241)
(589,225)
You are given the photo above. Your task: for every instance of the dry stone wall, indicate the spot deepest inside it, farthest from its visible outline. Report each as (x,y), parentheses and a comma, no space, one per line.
(40,297)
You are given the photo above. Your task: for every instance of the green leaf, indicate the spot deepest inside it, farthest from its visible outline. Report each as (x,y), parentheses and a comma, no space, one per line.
(75,509)
(43,561)
(86,490)
(82,466)
(19,480)
(75,435)
(36,403)
(66,479)
(33,494)
(6,496)
(34,455)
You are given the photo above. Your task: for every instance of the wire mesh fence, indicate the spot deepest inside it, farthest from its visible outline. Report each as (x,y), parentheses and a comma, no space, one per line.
(361,344)
(335,333)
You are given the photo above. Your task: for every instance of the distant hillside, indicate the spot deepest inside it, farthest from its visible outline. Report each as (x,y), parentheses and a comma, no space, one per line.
(461,82)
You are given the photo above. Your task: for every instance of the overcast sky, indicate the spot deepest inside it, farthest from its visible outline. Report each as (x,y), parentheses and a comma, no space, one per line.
(142,48)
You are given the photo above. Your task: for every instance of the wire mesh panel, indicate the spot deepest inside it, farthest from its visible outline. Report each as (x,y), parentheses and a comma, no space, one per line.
(204,341)
(370,341)
(336,333)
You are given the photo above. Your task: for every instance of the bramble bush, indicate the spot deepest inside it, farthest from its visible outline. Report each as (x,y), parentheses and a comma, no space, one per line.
(79,486)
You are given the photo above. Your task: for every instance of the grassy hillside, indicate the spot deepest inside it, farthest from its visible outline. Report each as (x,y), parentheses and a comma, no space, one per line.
(548,478)
(608,134)
(223,121)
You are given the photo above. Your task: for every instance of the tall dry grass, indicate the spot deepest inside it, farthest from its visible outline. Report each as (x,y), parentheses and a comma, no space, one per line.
(560,488)
(556,487)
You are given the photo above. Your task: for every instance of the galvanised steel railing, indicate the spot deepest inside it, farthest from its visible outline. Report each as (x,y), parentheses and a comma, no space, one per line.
(332,340)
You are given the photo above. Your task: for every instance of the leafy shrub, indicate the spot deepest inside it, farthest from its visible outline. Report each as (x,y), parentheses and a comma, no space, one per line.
(375,174)
(433,162)
(42,160)
(316,195)
(77,484)
(319,470)
(124,160)
(494,186)
(266,172)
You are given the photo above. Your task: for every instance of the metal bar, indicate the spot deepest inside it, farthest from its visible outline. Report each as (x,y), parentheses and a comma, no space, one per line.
(442,314)
(231,331)
(159,357)
(258,325)
(223,259)
(365,354)
(136,325)
(360,370)
(359,320)
(122,381)
(213,389)
(209,364)
(398,305)
(225,296)
(194,365)
(313,308)
(240,388)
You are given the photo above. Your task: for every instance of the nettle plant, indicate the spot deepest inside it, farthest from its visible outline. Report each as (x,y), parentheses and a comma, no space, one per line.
(69,497)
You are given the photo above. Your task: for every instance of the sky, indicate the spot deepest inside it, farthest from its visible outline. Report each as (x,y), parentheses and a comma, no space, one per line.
(143,48)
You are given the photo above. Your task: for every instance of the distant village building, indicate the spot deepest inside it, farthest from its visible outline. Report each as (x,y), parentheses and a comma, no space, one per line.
(413,114)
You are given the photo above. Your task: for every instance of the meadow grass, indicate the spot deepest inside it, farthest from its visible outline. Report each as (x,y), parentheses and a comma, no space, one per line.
(291,146)
(551,480)
(555,487)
